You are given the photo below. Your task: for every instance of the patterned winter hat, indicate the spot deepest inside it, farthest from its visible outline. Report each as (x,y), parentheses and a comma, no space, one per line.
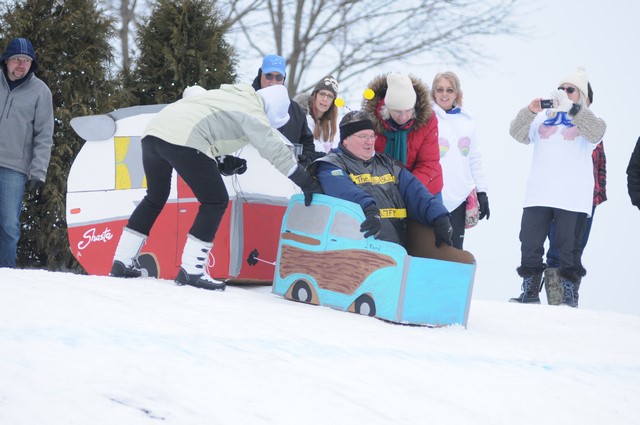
(327,83)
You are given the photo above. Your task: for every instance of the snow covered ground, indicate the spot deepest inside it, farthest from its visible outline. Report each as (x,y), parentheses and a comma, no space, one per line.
(97,350)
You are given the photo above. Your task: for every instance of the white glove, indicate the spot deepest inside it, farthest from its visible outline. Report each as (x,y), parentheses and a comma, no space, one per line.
(561,101)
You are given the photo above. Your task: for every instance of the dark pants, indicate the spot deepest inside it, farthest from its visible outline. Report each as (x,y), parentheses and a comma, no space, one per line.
(553,256)
(201,174)
(534,229)
(458,218)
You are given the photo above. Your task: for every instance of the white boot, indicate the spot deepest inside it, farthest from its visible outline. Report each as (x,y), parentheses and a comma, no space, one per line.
(125,260)
(194,261)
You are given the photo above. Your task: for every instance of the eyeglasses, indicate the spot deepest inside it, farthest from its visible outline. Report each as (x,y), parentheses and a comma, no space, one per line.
(364,137)
(442,90)
(278,77)
(324,94)
(569,90)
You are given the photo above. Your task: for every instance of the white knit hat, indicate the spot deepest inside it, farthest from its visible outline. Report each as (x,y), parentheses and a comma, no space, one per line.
(400,93)
(276,104)
(579,79)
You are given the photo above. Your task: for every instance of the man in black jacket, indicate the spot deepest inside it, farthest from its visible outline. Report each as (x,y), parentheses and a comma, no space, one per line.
(633,176)
(296,130)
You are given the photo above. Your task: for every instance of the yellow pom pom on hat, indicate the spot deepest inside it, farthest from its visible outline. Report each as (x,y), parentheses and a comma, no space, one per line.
(400,93)
(579,79)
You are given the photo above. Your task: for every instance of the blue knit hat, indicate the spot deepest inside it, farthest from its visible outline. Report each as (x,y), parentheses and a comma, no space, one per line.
(20,47)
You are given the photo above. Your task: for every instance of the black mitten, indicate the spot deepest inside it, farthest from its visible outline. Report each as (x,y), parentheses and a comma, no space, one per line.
(230,165)
(372,224)
(35,186)
(443,230)
(483,204)
(306,182)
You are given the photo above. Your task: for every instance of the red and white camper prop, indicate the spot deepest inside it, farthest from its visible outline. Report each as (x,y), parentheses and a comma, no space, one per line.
(107,181)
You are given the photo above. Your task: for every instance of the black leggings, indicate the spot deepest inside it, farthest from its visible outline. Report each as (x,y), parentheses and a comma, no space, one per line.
(457,218)
(201,174)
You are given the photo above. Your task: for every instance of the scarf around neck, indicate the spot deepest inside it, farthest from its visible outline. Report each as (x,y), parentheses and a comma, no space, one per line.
(396,135)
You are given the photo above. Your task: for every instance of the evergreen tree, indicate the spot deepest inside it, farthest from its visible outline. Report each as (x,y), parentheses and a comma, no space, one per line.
(181,44)
(71,42)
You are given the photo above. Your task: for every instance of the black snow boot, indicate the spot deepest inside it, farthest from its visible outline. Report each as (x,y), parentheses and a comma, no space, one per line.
(531,285)
(118,269)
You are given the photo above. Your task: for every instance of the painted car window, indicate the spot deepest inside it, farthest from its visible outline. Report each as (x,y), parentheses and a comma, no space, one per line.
(129,172)
(312,219)
(346,226)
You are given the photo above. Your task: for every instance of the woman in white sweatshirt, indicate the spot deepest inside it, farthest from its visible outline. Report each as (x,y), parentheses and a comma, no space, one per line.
(459,154)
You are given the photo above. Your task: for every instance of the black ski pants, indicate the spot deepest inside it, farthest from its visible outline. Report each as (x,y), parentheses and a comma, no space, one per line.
(200,173)
(458,220)
(569,229)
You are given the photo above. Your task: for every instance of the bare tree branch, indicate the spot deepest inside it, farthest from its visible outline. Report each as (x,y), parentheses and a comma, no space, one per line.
(346,37)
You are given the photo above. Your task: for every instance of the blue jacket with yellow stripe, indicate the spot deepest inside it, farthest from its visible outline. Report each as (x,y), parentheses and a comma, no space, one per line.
(378,182)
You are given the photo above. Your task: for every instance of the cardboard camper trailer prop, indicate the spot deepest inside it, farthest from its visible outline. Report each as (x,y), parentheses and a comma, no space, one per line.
(324,259)
(106,181)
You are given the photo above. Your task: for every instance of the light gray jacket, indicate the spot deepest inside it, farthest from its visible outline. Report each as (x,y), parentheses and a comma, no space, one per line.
(26,127)
(220,122)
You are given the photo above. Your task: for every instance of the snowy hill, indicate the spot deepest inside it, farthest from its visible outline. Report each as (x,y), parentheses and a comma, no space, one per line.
(97,350)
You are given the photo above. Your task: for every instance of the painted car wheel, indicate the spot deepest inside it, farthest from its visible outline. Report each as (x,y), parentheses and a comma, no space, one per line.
(301,291)
(364,305)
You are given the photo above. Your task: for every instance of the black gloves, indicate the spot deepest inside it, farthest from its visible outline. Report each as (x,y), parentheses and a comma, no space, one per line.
(306,182)
(230,165)
(483,204)
(443,230)
(306,159)
(35,186)
(371,225)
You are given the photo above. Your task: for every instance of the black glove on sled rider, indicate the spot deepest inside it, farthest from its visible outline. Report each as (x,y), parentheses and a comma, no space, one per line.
(306,182)
(443,230)
(372,224)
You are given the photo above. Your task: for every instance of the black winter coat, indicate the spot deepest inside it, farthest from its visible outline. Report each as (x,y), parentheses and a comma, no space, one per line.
(633,176)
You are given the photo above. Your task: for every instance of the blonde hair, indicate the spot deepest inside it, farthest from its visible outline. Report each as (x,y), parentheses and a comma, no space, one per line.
(455,82)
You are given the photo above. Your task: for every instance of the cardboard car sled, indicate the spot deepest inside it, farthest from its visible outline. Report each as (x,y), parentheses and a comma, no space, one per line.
(106,182)
(324,259)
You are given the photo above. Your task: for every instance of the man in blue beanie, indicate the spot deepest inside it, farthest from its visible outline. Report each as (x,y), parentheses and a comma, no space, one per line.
(26,126)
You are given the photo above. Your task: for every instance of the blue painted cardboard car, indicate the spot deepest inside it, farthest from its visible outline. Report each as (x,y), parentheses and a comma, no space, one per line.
(324,259)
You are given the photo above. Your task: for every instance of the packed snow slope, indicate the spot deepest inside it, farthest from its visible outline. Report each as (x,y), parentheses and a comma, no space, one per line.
(98,350)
